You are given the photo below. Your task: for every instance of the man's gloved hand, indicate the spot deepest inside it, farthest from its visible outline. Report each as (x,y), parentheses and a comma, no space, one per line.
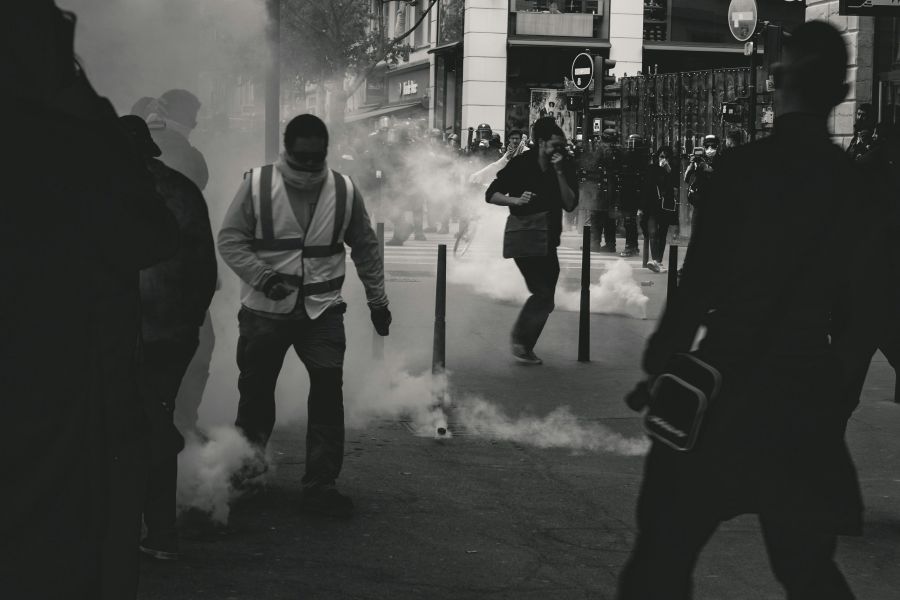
(276,288)
(381,319)
(639,397)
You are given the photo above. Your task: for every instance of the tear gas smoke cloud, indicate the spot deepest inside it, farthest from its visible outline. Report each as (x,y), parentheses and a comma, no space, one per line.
(485,271)
(559,429)
(205,470)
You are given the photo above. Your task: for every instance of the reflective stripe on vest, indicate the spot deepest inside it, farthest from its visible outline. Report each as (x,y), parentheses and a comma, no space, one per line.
(314,259)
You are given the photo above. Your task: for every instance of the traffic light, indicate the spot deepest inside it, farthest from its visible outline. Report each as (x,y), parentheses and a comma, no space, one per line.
(575,102)
(602,80)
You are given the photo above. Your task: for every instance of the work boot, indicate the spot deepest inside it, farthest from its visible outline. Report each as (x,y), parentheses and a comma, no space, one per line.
(326,500)
(629,252)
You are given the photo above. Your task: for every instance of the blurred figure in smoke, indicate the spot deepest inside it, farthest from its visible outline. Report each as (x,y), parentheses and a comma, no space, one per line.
(291,260)
(634,173)
(178,109)
(176,113)
(659,205)
(603,221)
(536,186)
(772,442)
(175,295)
(76,447)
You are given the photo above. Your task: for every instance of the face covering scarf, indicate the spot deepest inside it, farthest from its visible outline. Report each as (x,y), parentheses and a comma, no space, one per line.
(303,180)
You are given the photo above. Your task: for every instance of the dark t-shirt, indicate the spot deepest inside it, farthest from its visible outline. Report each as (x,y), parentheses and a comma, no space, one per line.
(524,174)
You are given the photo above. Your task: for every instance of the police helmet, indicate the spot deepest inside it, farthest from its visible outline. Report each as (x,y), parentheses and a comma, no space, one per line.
(711,140)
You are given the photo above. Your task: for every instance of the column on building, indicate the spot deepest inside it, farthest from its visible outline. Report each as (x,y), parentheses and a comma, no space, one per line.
(626,36)
(484,64)
(859,33)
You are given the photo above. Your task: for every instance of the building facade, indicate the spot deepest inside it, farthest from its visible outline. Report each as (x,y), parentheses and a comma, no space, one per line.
(503,62)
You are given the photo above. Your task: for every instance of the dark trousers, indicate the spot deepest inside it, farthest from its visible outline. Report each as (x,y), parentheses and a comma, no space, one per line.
(162,368)
(630,220)
(193,384)
(603,227)
(320,344)
(541,274)
(672,532)
(657,230)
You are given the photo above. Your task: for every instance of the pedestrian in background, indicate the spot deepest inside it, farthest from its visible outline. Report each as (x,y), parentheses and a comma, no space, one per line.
(536,186)
(175,295)
(863,128)
(772,441)
(80,225)
(631,196)
(284,236)
(659,209)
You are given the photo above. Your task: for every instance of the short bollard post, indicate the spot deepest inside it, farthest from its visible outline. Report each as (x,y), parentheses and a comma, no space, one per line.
(377,340)
(584,319)
(672,287)
(896,388)
(438,356)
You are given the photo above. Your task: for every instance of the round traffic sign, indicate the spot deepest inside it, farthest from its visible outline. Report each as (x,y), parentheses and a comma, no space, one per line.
(743,16)
(583,71)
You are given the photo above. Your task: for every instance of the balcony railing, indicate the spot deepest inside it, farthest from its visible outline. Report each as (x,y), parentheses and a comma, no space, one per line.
(572,18)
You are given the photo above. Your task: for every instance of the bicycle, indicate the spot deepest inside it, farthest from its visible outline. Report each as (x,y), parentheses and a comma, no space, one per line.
(464,238)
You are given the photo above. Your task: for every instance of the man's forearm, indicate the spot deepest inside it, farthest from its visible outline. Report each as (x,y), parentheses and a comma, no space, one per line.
(502,200)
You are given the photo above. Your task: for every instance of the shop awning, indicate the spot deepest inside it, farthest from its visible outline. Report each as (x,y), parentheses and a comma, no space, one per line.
(380,112)
(556,41)
(445,48)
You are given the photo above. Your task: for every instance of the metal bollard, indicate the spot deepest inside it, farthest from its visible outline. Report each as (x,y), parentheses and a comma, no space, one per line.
(584,319)
(896,388)
(438,357)
(672,287)
(377,340)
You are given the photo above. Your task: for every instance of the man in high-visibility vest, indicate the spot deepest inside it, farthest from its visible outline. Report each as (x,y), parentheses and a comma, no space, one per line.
(284,236)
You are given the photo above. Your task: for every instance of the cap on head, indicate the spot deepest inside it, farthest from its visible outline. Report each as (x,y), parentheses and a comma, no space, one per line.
(137,130)
(711,140)
(181,106)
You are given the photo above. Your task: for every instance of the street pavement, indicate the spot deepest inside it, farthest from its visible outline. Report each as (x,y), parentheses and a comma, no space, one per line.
(474,517)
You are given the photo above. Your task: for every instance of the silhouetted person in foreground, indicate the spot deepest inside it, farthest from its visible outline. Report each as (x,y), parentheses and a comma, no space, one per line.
(772,443)
(81,220)
(175,295)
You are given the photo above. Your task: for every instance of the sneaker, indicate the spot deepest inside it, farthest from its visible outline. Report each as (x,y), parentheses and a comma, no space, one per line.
(525,356)
(653,266)
(629,252)
(159,550)
(327,501)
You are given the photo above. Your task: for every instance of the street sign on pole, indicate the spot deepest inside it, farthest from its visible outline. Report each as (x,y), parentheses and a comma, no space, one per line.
(743,16)
(583,71)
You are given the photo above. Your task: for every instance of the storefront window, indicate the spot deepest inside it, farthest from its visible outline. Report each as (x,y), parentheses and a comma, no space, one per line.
(706,21)
(450,21)
(563,6)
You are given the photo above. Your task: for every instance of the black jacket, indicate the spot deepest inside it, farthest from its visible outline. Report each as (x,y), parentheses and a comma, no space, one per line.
(766,273)
(176,293)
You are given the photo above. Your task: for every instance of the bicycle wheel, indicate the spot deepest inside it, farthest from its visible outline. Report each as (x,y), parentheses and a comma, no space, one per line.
(464,241)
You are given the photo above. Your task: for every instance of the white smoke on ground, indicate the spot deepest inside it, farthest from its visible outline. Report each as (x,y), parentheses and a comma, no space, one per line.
(484,270)
(205,470)
(559,429)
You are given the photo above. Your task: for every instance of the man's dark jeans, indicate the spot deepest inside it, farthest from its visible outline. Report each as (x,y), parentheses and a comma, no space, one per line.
(320,344)
(162,367)
(541,274)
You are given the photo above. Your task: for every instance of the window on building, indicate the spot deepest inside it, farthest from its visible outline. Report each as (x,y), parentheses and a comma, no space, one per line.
(450,21)
(562,6)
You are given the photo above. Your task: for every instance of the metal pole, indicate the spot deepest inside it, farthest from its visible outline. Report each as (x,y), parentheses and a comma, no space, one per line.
(672,287)
(752,115)
(646,233)
(584,320)
(273,82)
(438,357)
(377,340)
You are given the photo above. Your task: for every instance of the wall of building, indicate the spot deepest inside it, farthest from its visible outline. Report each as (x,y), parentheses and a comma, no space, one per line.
(484,63)
(859,33)
(626,36)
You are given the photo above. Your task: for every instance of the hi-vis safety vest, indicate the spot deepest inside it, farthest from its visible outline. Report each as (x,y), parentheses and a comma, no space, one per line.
(312,260)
